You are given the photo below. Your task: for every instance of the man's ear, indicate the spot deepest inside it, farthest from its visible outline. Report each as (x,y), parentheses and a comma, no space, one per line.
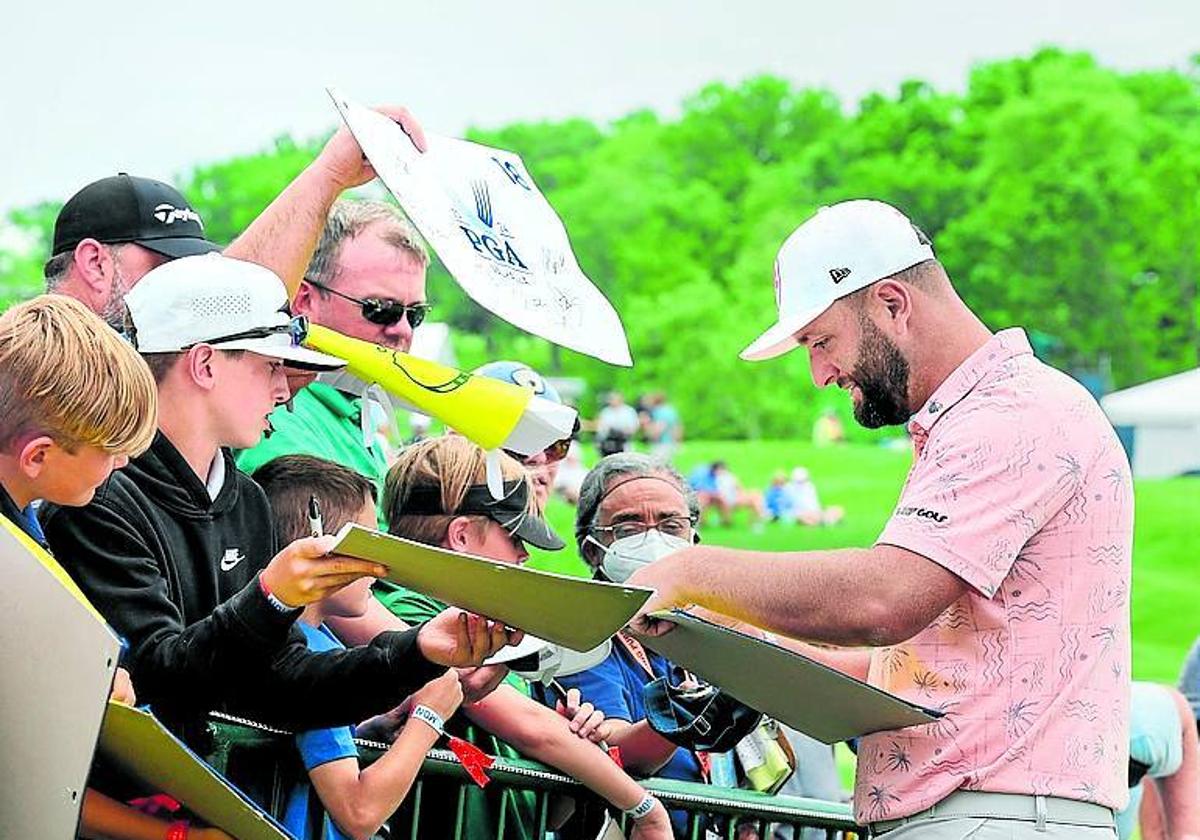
(32,457)
(305,301)
(894,304)
(458,533)
(198,362)
(95,268)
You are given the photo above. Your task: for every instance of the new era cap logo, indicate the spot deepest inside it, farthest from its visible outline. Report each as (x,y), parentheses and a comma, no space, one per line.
(168,214)
(839,274)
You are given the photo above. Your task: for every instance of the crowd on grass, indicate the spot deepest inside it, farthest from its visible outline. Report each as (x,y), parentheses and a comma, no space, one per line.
(164,434)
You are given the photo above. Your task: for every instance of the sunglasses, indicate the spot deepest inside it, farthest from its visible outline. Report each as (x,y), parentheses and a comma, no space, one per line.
(554,453)
(382,311)
(297,328)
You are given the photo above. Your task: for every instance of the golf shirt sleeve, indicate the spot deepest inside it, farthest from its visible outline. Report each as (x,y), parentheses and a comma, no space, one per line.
(978,489)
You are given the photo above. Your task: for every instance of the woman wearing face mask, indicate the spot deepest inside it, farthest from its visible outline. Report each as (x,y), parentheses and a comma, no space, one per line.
(632,511)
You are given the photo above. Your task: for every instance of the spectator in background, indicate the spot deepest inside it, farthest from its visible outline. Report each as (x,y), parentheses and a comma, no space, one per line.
(703,482)
(806,505)
(570,475)
(542,466)
(664,429)
(778,501)
(736,497)
(828,429)
(1164,764)
(616,425)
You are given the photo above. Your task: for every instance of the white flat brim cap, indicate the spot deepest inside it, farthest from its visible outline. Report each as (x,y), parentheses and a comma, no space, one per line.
(841,249)
(280,346)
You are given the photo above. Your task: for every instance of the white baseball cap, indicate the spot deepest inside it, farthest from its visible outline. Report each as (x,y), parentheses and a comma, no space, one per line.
(230,304)
(842,249)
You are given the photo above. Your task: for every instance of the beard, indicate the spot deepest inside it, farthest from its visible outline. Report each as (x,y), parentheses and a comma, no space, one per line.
(881,375)
(114,311)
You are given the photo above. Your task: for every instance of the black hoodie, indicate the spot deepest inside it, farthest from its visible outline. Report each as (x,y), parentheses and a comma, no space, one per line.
(175,573)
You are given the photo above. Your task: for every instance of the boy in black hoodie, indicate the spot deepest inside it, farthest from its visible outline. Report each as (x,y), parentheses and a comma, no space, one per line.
(177,550)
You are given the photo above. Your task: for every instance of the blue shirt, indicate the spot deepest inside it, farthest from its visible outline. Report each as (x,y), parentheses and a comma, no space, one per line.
(317,747)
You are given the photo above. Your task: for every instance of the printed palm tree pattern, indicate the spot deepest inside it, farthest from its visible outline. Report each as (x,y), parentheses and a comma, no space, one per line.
(1033,502)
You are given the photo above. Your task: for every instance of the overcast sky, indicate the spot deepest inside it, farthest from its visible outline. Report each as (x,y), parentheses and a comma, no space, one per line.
(155,88)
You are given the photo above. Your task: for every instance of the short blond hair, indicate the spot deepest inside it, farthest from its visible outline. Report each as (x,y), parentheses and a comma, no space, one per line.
(66,374)
(451,463)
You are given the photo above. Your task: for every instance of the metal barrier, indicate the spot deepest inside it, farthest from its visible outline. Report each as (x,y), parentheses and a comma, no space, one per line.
(263,761)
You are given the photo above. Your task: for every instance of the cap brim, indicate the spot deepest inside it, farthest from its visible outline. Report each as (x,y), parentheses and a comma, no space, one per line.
(780,338)
(180,246)
(535,531)
(297,357)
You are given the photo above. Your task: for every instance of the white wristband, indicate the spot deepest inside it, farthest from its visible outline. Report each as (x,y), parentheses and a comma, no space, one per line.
(642,808)
(432,718)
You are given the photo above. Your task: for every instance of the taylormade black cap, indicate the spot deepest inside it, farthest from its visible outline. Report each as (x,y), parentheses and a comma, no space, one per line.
(125,208)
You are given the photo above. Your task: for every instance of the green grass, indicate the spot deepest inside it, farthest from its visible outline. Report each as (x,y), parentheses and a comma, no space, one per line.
(866,480)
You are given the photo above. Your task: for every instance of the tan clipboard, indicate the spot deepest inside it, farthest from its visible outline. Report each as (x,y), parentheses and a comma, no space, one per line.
(574,612)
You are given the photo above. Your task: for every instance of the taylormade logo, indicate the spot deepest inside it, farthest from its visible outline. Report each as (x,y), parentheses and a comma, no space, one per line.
(169,214)
(839,274)
(232,557)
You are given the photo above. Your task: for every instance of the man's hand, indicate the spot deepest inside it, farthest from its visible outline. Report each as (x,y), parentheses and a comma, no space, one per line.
(343,160)
(122,690)
(665,577)
(479,682)
(460,639)
(305,572)
(582,718)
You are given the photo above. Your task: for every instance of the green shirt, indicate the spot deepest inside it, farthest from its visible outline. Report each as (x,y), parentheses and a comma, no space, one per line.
(323,422)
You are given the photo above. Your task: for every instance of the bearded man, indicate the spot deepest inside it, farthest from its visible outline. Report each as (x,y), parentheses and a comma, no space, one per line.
(998,592)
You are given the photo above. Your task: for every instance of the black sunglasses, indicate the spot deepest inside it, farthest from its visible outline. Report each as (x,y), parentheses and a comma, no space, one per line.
(382,311)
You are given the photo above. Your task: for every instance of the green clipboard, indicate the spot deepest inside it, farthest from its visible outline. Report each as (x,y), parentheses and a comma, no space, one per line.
(135,741)
(574,612)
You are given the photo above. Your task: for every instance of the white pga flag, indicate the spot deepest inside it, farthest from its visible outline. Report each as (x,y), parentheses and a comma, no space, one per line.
(494,231)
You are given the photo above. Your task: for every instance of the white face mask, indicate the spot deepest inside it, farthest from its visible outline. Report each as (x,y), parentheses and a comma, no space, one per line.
(624,557)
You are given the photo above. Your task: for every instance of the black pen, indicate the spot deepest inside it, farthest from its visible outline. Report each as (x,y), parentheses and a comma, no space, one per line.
(314,517)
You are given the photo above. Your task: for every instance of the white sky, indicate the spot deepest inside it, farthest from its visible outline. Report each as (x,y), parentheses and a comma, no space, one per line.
(155,88)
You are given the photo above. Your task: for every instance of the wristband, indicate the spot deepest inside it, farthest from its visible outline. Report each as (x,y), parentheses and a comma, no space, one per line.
(177,830)
(275,603)
(642,808)
(430,717)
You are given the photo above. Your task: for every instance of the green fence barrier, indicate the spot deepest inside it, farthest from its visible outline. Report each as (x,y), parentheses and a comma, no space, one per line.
(263,761)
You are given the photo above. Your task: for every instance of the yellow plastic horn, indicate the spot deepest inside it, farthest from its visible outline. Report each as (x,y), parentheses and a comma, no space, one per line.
(481,409)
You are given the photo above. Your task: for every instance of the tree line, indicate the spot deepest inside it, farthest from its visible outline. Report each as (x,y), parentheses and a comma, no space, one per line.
(1061,195)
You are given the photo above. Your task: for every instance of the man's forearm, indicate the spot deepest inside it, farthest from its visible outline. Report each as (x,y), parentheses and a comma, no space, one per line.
(284,235)
(848,597)
(779,592)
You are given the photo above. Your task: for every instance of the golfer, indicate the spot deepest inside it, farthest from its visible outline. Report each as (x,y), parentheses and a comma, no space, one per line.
(998,591)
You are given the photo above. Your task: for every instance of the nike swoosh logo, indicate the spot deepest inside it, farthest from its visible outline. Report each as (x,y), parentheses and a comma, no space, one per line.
(229,561)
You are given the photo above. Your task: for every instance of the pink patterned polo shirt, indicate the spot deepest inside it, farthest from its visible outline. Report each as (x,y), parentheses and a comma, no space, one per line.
(1020,487)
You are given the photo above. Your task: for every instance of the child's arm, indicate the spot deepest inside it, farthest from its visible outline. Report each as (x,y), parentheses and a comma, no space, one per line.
(541,734)
(360,801)
(107,819)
